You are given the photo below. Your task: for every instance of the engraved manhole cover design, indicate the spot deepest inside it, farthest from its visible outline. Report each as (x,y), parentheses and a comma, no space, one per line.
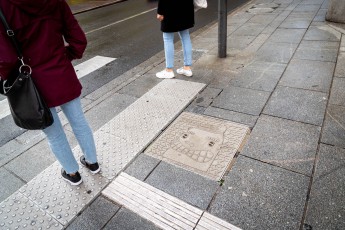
(201,144)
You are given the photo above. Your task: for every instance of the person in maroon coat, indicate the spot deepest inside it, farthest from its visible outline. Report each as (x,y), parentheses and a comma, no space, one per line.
(50,38)
(176,16)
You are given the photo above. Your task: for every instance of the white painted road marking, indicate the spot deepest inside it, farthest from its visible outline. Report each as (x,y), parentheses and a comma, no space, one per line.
(82,70)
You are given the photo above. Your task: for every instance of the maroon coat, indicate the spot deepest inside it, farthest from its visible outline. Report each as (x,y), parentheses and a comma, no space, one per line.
(41,26)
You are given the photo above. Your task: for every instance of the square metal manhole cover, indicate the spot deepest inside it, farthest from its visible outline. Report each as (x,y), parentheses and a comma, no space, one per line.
(201,144)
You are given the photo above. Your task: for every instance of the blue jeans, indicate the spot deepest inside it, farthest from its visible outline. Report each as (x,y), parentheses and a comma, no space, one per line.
(58,141)
(168,39)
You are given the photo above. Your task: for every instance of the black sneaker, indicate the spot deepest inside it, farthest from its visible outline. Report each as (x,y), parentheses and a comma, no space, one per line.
(73,180)
(94,168)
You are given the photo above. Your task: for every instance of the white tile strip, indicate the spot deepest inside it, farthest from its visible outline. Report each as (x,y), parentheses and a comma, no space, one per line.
(82,70)
(162,209)
(117,143)
(91,65)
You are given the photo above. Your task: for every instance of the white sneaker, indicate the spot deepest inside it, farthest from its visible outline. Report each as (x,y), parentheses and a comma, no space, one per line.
(182,71)
(165,74)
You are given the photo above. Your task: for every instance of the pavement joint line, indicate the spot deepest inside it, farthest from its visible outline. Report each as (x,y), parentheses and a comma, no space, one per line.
(62,202)
(164,210)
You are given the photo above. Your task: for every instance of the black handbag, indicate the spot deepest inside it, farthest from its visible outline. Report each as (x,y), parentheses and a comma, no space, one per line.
(28,109)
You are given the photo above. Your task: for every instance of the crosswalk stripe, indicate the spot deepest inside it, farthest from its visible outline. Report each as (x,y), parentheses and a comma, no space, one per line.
(82,70)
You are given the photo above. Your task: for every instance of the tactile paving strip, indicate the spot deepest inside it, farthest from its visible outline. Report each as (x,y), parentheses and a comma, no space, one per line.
(209,221)
(18,212)
(162,209)
(201,144)
(117,143)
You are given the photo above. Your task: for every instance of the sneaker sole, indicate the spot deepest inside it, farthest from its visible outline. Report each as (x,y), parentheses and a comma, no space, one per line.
(187,75)
(72,183)
(165,77)
(97,171)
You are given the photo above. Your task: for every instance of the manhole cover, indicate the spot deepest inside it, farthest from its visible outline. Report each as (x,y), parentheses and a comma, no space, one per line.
(263,8)
(201,144)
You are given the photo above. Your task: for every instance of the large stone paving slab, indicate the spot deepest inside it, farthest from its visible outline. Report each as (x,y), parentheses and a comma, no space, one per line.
(340,68)
(185,185)
(333,132)
(242,100)
(259,76)
(338,93)
(142,166)
(298,105)
(318,51)
(307,74)
(276,52)
(322,33)
(9,184)
(287,35)
(201,144)
(326,204)
(288,144)
(256,195)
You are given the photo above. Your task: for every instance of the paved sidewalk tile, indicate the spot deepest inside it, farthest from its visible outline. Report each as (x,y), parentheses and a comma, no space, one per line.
(338,93)
(317,51)
(259,76)
(276,52)
(287,35)
(242,100)
(326,205)
(256,195)
(333,132)
(307,74)
(95,216)
(142,166)
(9,184)
(185,185)
(288,144)
(340,68)
(322,33)
(127,220)
(298,105)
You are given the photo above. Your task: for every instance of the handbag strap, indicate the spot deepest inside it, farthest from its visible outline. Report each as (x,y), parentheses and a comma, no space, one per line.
(10,33)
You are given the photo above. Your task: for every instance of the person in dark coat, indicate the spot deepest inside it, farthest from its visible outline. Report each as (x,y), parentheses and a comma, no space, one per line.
(176,16)
(50,38)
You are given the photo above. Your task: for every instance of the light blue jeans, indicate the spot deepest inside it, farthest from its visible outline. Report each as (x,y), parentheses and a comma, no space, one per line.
(168,39)
(58,141)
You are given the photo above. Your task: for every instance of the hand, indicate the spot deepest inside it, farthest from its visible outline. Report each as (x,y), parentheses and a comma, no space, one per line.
(160,17)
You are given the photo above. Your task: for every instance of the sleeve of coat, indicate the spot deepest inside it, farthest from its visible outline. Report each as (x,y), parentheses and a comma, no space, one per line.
(8,57)
(73,34)
(161,8)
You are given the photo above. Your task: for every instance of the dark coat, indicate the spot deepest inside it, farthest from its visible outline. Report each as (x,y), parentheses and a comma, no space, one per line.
(40,26)
(178,14)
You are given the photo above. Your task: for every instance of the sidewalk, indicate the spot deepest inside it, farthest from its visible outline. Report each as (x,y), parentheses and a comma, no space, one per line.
(283,78)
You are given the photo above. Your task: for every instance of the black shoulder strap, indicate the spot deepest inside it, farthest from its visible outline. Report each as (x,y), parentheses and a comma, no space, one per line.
(10,33)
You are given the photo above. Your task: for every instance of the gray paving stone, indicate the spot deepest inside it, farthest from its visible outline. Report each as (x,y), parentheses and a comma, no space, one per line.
(32,162)
(288,144)
(307,2)
(193,108)
(320,16)
(140,86)
(326,205)
(251,29)
(142,166)
(322,33)
(127,220)
(317,51)
(287,35)
(9,184)
(276,52)
(231,116)
(340,68)
(9,130)
(95,216)
(242,100)
(264,19)
(260,76)
(187,186)
(333,132)
(338,93)
(298,105)
(295,23)
(256,195)
(307,74)
(235,44)
(307,8)
(205,98)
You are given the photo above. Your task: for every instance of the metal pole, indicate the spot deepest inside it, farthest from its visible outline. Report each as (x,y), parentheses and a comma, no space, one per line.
(222,28)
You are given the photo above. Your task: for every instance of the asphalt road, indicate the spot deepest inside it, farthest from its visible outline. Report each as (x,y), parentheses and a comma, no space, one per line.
(127,31)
